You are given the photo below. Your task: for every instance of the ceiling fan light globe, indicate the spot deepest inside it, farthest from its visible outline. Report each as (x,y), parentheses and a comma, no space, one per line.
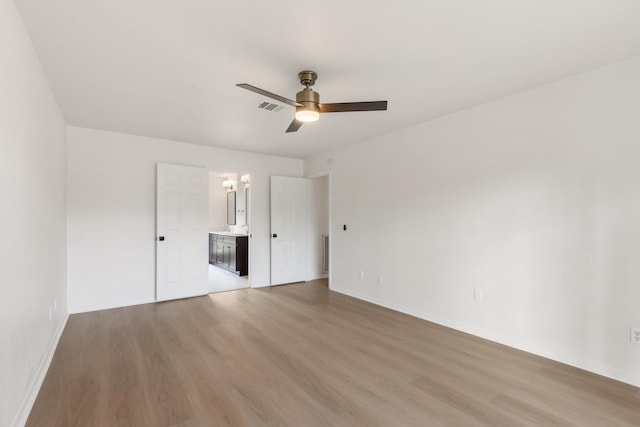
(307,116)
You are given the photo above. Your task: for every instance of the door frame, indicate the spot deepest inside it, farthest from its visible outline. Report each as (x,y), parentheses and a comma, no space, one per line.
(248,218)
(321,174)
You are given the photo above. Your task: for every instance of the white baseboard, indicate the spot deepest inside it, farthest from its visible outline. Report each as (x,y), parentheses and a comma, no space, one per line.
(631,378)
(260,285)
(34,388)
(87,309)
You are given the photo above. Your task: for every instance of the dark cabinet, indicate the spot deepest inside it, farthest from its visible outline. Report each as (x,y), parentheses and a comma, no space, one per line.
(229,252)
(212,249)
(219,259)
(229,259)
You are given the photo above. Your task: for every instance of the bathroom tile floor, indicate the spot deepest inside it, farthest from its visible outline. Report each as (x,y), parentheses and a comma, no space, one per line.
(221,280)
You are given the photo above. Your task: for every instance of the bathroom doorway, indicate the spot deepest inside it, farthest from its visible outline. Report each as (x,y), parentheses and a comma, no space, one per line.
(229,237)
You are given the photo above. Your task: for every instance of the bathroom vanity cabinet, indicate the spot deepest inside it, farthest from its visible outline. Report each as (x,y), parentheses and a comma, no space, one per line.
(229,251)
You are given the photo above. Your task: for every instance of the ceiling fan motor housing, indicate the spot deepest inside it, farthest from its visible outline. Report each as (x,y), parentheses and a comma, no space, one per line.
(309,100)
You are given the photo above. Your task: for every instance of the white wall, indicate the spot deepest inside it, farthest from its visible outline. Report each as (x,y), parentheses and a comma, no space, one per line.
(241,205)
(535,199)
(319,223)
(33,220)
(111,211)
(217,203)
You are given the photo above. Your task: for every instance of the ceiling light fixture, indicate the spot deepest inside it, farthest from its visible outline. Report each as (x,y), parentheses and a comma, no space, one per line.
(308,100)
(306,115)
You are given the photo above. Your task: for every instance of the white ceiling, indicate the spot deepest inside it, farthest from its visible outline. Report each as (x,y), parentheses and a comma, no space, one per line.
(168,68)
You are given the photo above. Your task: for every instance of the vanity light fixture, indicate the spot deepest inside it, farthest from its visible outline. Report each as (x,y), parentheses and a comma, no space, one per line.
(229,184)
(246,180)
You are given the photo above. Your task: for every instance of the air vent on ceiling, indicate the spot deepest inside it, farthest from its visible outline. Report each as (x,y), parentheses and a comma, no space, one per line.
(269,106)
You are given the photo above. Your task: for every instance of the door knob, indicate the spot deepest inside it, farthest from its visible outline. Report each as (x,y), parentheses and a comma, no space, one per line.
(274,235)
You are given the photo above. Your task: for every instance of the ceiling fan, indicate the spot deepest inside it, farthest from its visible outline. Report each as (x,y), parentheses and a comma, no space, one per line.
(307,103)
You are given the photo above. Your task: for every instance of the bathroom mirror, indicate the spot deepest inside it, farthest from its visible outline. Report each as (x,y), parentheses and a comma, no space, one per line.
(231,208)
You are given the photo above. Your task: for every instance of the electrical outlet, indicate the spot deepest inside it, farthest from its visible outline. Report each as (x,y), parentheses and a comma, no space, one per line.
(361,275)
(380,279)
(477,295)
(635,335)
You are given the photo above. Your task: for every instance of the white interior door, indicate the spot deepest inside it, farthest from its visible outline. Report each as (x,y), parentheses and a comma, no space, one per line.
(182,245)
(289,222)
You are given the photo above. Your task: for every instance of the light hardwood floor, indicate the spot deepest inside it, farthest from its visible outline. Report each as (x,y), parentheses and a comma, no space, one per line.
(301,355)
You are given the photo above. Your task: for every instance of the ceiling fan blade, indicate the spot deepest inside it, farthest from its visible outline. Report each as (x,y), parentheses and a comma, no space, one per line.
(294,126)
(269,94)
(340,107)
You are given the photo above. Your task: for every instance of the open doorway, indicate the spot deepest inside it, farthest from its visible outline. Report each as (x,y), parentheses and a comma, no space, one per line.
(229,213)
(319,227)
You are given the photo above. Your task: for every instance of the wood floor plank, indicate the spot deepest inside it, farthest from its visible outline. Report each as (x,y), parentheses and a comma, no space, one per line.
(301,355)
